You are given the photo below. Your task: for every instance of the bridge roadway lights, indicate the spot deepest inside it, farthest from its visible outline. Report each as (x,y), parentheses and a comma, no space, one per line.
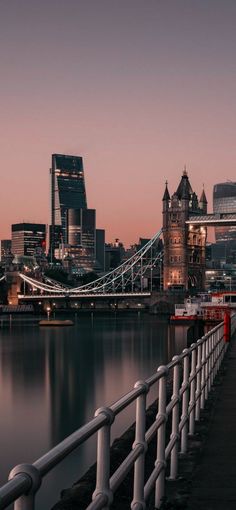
(227,326)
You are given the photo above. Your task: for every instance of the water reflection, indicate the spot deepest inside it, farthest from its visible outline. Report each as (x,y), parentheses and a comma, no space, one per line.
(52,380)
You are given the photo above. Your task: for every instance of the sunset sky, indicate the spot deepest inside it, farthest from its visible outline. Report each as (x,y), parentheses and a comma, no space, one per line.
(138,88)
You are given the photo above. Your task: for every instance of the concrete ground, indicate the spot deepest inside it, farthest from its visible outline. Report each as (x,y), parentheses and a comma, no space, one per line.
(209,470)
(214,484)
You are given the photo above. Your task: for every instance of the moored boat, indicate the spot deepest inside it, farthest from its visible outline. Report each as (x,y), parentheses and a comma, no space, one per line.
(56,322)
(190,310)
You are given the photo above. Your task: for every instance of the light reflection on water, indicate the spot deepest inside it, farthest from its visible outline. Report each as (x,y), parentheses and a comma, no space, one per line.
(52,380)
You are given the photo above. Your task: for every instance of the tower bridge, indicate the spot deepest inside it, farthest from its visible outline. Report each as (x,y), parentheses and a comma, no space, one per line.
(180,266)
(185,222)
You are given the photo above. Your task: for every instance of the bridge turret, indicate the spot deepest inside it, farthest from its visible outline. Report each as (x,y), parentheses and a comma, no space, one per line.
(165,206)
(166,198)
(184,245)
(203,202)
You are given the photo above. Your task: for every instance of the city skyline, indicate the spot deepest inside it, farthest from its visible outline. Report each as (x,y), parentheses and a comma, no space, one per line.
(138,89)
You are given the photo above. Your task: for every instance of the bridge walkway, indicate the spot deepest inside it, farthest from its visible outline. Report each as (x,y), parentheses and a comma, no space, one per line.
(214,483)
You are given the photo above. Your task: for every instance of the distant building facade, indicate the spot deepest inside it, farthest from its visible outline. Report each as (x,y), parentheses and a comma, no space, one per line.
(224,201)
(27,238)
(114,253)
(100,249)
(5,249)
(184,246)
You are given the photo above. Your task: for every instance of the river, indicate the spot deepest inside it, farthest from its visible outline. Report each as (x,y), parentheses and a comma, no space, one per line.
(53,379)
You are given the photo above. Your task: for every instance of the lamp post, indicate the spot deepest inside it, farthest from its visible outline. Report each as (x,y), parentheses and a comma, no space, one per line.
(48,312)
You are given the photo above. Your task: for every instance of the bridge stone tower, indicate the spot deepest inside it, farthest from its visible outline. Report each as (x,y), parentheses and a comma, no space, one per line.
(184,245)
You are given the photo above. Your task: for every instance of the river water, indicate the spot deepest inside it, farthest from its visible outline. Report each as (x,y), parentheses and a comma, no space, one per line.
(53,379)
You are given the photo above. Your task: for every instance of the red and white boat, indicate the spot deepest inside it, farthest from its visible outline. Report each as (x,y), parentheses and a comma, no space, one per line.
(190,310)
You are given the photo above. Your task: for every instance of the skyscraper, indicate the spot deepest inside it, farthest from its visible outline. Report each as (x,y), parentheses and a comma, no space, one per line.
(27,237)
(81,247)
(67,192)
(82,229)
(224,201)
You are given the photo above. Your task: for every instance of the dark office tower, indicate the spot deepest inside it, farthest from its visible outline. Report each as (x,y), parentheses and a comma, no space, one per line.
(224,201)
(100,248)
(67,191)
(89,230)
(74,226)
(82,229)
(27,237)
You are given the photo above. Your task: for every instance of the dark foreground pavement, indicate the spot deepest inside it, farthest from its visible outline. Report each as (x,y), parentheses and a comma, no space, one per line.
(208,480)
(214,483)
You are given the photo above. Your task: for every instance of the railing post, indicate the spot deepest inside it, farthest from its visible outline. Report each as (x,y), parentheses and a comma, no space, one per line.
(209,363)
(227,326)
(211,359)
(161,437)
(218,349)
(198,390)
(138,502)
(203,374)
(103,458)
(175,421)
(224,345)
(26,501)
(185,402)
(192,402)
(206,367)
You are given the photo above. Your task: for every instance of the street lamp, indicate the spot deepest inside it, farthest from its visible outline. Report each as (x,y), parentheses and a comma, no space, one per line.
(48,312)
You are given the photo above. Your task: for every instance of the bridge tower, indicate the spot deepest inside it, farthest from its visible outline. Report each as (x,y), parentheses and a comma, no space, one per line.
(184,245)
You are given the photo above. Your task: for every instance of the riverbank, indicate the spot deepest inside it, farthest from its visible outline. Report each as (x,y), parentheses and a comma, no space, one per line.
(191,490)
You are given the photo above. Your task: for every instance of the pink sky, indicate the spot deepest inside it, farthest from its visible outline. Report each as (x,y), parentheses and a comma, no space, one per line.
(137,88)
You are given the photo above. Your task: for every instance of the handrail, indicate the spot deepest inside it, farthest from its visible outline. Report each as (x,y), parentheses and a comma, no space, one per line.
(199,365)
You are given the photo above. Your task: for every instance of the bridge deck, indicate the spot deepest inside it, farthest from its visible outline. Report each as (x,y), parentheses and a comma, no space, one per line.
(214,485)
(211,220)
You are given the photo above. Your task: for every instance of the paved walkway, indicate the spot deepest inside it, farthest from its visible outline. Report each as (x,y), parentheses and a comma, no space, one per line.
(214,483)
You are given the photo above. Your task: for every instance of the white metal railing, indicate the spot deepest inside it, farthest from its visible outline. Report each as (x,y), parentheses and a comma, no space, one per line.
(193,373)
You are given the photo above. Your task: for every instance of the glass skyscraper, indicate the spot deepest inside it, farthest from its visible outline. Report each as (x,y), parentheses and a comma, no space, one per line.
(27,237)
(224,201)
(67,192)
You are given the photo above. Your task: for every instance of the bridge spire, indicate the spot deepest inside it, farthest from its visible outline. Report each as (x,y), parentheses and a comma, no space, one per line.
(166,195)
(203,198)
(184,190)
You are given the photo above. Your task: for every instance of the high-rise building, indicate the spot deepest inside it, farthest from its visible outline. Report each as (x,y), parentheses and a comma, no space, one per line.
(27,238)
(73,232)
(81,226)
(81,246)
(224,201)
(67,192)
